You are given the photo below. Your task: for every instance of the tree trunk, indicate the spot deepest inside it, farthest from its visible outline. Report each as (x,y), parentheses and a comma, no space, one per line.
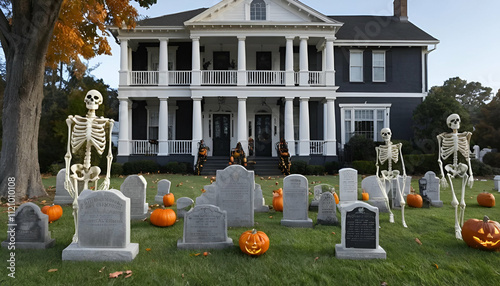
(25,44)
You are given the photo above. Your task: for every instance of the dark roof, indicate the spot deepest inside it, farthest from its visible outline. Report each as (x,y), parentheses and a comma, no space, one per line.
(379,28)
(177,19)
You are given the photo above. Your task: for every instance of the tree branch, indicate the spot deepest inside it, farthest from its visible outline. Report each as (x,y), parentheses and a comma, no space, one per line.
(5,37)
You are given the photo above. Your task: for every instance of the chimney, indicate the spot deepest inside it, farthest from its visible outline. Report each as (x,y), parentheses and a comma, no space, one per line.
(401,10)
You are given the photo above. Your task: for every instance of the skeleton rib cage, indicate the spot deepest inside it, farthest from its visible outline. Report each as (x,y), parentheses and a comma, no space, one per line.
(452,143)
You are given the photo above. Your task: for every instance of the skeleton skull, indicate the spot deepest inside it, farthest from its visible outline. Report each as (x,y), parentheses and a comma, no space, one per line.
(93,99)
(386,134)
(453,121)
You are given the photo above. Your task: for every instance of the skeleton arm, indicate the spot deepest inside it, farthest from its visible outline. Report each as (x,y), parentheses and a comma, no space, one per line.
(471,177)
(444,184)
(377,149)
(109,158)
(67,160)
(400,147)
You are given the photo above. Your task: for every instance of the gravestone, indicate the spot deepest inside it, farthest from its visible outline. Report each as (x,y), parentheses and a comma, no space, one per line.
(103,228)
(497,183)
(360,233)
(183,206)
(233,191)
(205,227)
(327,210)
(348,185)
(259,204)
(28,229)
(295,202)
(317,191)
(376,196)
(62,195)
(395,193)
(134,187)
(163,189)
(433,189)
(422,186)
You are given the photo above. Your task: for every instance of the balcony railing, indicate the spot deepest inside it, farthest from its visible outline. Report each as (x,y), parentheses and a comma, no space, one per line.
(316,147)
(144,147)
(179,146)
(225,77)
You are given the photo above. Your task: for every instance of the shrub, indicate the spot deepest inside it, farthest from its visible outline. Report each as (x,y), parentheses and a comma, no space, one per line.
(116,169)
(177,168)
(365,167)
(492,159)
(54,169)
(315,170)
(332,167)
(421,163)
(136,167)
(481,169)
(298,167)
(361,148)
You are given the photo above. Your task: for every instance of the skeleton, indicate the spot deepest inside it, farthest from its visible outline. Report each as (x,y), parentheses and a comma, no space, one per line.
(87,132)
(452,145)
(390,153)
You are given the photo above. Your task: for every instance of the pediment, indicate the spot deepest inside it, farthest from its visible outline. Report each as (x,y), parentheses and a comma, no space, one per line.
(278,12)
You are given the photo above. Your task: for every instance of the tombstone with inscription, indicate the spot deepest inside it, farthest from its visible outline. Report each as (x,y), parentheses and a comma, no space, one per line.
(163,189)
(62,195)
(183,206)
(259,204)
(433,189)
(376,198)
(295,202)
(103,228)
(134,187)
(327,210)
(233,191)
(29,228)
(317,191)
(360,233)
(205,227)
(348,185)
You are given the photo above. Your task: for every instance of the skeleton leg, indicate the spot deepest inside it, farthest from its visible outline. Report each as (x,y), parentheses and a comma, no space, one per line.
(454,203)
(462,200)
(402,201)
(382,185)
(75,210)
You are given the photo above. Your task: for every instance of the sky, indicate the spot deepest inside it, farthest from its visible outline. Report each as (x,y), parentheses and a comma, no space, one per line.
(468,31)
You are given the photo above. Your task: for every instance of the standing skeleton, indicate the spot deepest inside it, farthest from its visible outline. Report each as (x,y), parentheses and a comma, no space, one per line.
(390,153)
(454,144)
(87,132)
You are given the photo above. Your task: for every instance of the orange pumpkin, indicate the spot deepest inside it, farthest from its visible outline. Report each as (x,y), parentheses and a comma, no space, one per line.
(168,199)
(365,196)
(414,200)
(486,199)
(482,234)
(54,212)
(336,198)
(278,200)
(163,217)
(253,242)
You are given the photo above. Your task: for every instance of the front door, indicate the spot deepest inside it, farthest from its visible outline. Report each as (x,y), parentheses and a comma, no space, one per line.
(263,135)
(222,138)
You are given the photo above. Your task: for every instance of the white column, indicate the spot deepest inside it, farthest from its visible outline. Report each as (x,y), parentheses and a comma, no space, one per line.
(163,64)
(304,148)
(197,124)
(289,131)
(289,73)
(195,65)
(331,140)
(130,126)
(242,61)
(304,62)
(123,73)
(123,135)
(163,128)
(242,136)
(330,63)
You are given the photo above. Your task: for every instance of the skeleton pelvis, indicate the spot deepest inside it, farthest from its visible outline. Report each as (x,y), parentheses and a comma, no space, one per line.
(390,174)
(79,172)
(454,170)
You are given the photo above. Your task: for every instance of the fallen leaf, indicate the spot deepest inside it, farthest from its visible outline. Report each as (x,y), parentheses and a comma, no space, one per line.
(194,254)
(206,253)
(270,216)
(129,273)
(44,201)
(182,275)
(115,274)
(333,232)
(148,249)
(383,283)
(52,270)
(437,267)
(315,259)
(102,269)
(418,241)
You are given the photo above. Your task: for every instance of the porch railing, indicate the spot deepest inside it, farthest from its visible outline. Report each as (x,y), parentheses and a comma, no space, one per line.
(179,77)
(316,147)
(144,78)
(216,77)
(265,77)
(179,146)
(144,147)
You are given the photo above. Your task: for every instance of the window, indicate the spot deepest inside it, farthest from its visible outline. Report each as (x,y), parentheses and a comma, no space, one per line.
(378,59)
(258,10)
(356,66)
(153,123)
(365,120)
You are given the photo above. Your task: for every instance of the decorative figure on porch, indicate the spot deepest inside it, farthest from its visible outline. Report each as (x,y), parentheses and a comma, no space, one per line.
(87,131)
(202,157)
(454,144)
(391,153)
(238,156)
(284,162)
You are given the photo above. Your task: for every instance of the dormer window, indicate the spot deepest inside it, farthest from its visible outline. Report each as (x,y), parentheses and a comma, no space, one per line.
(258,10)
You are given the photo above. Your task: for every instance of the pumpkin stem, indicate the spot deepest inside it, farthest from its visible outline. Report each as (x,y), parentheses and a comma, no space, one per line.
(486,219)
(254,231)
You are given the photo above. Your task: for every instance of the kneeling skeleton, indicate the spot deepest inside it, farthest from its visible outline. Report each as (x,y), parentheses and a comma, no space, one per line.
(390,153)
(87,132)
(454,144)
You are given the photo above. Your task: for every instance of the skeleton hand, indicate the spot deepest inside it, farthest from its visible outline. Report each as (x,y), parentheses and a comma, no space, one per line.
(470,181)
(444,183)
(104,185)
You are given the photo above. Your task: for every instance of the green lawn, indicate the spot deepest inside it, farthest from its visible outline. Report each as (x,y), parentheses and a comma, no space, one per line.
(296,256)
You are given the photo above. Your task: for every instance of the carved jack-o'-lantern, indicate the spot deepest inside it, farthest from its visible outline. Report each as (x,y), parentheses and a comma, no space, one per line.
(253,242)
(482,234)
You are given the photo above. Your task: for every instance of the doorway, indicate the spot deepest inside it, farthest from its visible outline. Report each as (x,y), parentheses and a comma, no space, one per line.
(221,140)
(263,135)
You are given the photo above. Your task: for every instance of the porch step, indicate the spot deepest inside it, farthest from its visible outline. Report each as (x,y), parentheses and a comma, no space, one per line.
(263,166)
